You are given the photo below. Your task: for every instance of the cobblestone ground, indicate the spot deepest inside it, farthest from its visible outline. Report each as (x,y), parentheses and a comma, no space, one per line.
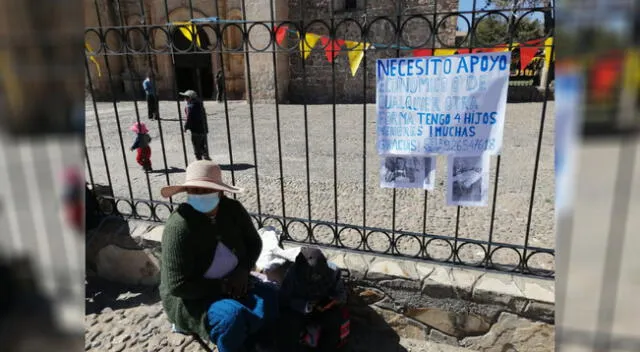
(131,319)
(355,183)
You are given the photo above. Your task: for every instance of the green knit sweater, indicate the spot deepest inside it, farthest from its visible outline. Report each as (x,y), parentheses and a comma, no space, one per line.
(189,241)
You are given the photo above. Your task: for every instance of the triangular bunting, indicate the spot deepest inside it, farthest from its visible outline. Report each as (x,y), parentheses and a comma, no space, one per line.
(332,47)
(547,51)
(308,43)
(281,33)
(534,42)
(445,52)
(92,58)
(604,76)
(355,54)
(631,70)
(526,56)
(189,31)
(422,52)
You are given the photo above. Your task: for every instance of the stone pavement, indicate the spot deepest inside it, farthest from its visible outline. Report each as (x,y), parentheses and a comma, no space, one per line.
(120,319)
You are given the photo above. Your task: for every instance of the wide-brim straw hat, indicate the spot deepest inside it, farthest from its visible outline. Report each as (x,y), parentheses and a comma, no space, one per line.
(139,127)
(189,93)
(201,174)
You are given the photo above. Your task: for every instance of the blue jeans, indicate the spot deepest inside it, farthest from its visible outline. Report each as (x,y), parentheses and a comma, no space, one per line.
(235,324)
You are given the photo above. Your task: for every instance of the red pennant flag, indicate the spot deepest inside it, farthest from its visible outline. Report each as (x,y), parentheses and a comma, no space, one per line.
(331,47)
(464,51)
(533,42)
(604,77)
(422,52)
(281,33)
(526,55)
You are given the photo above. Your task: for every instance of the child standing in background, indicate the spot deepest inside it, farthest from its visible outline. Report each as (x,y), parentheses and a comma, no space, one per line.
(142,144)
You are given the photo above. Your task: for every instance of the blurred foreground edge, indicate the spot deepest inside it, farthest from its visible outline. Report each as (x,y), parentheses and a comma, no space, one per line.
(27,318)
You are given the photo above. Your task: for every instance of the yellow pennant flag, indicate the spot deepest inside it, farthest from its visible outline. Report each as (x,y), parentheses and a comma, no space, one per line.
(547,51)
(632,70)
(308,43)
(445,52)
(355,54)
(189,31)
(93,59)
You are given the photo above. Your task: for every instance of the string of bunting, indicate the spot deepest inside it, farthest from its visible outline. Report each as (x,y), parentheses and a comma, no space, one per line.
(355,53)
(356,50)
(92,58)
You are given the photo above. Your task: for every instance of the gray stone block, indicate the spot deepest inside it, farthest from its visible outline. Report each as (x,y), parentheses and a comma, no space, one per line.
(542,311)
(383,268)
(515,333)
(439,284)
(439,337)
(496,288)
(357,266)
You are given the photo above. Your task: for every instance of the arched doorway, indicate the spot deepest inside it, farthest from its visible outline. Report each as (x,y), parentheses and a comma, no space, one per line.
(193,69)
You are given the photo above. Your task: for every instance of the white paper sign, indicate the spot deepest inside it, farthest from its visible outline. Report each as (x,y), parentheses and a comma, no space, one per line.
(468,180)
(442,105)
(406,171)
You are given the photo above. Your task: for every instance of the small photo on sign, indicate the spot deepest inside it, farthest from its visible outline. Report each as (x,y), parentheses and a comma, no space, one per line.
(468,180)
(398,171)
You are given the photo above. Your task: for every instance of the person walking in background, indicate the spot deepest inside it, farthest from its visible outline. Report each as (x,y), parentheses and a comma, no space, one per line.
(142,144)
(152,101)
(220,85)
(196,123)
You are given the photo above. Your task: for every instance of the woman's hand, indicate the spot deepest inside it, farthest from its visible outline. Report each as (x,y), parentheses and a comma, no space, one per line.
(236,284)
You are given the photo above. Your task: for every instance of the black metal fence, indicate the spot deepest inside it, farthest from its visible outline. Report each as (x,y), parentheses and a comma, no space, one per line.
(139,45)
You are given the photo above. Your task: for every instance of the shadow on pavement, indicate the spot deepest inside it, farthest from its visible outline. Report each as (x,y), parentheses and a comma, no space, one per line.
(369,330)
(236,167)
(170,170)
(101,294)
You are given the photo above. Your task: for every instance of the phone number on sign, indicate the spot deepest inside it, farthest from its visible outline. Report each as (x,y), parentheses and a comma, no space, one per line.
(439,146)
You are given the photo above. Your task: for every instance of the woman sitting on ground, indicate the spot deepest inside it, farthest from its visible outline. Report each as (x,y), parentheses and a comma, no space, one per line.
(209,247)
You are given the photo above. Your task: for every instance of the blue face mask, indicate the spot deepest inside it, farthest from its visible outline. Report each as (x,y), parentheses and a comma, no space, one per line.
(203,203)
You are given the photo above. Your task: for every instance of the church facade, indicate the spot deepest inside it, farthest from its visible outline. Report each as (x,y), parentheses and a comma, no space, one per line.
(254,66)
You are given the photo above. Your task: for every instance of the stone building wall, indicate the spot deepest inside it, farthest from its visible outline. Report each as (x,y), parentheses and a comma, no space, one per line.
(312,81)
(262,73)
(122,75)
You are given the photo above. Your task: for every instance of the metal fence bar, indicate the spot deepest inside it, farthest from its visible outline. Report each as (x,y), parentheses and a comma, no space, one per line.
(157,102)
(225,97)
(100,136)
(277,106)
(133,90)
(364,130)
(535,170)
(306,125)
(174,82)
(247,59)
(399,45)
(115,105)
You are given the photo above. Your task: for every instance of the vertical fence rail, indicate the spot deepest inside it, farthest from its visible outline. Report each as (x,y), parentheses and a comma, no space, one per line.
(437,17)
(277,106)
(247,62)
